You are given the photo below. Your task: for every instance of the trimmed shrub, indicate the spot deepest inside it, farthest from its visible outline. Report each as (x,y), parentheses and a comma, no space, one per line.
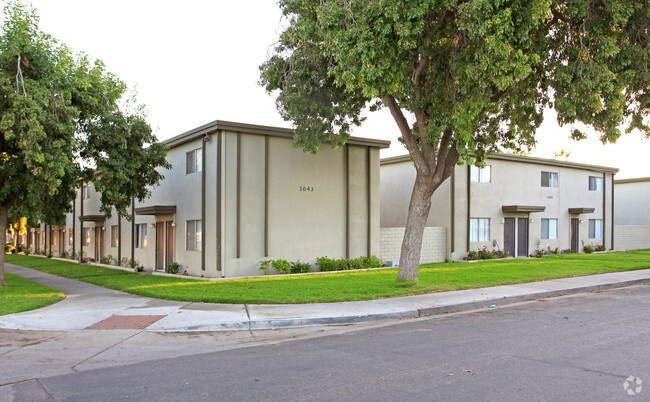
(172,268)
(298,267)
(282,266)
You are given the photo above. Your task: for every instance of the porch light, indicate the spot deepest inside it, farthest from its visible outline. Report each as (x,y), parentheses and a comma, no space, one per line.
(173,224)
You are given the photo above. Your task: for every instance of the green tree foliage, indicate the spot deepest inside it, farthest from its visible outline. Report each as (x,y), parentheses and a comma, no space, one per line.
(60,122)
(462,79)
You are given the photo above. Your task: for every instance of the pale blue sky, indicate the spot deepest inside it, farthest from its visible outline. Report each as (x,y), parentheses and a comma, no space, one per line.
(195,61)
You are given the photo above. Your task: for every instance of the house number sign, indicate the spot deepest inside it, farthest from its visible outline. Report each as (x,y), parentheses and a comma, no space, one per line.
(307,188)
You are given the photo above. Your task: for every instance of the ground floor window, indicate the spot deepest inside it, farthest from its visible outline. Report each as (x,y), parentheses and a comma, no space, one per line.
(479,229)
(141,235)
(194,238)
(85,236)
(70,237)
(114,236)
(595,228)
(549,228)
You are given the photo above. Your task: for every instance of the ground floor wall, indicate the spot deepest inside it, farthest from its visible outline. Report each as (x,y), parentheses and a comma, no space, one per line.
(434,244)
(631,237)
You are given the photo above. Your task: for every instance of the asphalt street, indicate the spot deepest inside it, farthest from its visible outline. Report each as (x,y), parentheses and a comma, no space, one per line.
(580,347)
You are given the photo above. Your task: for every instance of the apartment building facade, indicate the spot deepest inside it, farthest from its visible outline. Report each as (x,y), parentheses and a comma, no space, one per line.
(514,203)
(236,194)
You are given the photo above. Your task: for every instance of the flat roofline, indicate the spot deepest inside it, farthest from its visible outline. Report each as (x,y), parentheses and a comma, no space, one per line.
(633,180)
(214,126)
(583,210)
(522,159)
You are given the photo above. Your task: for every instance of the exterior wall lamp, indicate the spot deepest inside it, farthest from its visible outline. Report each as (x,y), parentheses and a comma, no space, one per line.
(173,224)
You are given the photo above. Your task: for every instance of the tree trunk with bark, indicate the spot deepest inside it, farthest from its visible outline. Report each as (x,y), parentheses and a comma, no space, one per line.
(419,207)
(4,212)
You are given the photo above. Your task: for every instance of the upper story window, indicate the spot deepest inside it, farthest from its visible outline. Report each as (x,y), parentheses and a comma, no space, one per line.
(479,229)
(549,228)
(85,192)
(595,183)
(480,174)
(194,161)
(549,179)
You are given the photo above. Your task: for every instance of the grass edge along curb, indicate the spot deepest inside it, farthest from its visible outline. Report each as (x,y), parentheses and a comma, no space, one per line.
(23,295)
(349,286)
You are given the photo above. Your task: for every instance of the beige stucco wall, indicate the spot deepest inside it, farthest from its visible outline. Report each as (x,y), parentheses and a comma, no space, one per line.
(307,200)
(632,203)
(513,182)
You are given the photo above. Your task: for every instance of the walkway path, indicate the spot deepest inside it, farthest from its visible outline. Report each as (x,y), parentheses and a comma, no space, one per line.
(89,306)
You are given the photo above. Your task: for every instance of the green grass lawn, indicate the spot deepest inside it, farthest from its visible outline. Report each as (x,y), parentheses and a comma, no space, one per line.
(22,295)
(345,286)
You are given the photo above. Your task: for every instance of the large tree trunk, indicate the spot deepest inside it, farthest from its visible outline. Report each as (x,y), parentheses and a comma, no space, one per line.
(4,211)
(419,207)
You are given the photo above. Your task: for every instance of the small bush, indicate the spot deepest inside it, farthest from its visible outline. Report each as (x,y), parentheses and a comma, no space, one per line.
(328,264)
(264,266)
(282,266)
(64,254)
(298,267)
(373,262)
(485,254)
(21,247)
(540,252)
(108,260)
(124,262)
(599,247)
(8,247)
(588,249)
(567,251)
(173,268)
(133,263)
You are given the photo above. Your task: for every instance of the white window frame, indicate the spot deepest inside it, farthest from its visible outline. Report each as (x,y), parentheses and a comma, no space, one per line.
(553,179)
(480,174)
(85,192)
(551,228)
(595,183)
(194,235)
(115,238)
(141,235)
(479,229)
(85,236)
(194,161)
(595,228)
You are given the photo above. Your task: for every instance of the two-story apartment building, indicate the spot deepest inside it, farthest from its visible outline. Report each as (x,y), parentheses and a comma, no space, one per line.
(632,213)
(237,194)
(514,203)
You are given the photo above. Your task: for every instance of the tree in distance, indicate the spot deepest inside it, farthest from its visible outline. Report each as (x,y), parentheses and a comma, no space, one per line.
(60,121)
(462,79)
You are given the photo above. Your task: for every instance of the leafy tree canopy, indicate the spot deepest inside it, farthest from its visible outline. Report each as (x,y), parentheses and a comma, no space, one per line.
(462,79)
(60,121)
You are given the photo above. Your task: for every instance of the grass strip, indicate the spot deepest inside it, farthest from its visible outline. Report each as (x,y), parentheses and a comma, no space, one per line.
(23,295)
(347,286)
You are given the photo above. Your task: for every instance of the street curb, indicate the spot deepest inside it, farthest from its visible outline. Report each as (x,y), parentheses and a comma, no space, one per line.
(414,313)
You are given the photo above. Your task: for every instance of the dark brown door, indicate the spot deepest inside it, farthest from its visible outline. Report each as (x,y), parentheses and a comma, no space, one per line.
(61,246)
(169,258)
(575,234)
(509,236)
(97,231)
(522,237)
(102,232)
(160,245)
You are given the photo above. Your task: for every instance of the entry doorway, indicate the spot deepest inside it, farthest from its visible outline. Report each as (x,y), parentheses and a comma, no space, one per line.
(61,244)
(522,237)
(164,244)
(515,236)
(575,235)
(99,243)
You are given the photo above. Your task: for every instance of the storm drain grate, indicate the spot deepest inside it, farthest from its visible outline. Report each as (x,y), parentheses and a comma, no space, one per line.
(126,322)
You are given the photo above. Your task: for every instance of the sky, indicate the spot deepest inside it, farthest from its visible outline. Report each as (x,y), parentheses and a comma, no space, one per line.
(195,61)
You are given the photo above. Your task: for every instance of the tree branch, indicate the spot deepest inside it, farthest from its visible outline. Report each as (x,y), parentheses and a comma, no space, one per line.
(407,135)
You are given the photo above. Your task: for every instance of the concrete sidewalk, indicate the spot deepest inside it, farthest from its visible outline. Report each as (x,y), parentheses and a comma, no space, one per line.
(93,307)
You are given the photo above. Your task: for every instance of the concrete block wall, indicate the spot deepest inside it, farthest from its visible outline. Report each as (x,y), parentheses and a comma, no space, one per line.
(631,237)
(434,244)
